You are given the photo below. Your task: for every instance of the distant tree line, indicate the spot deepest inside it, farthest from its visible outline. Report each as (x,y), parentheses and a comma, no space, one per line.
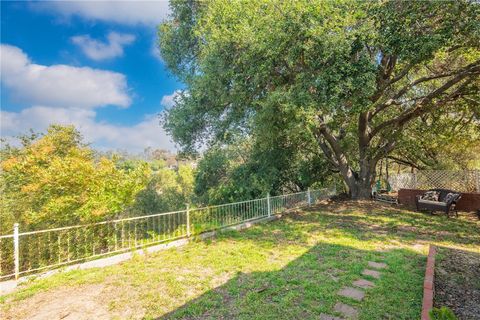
(55,179)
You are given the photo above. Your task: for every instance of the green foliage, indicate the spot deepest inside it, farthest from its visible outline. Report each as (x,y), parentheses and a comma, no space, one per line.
(242,171)
(442,313)
(212,172)
(54,180)
(167,190)
(353,80)
(442,141)
(132,164)
(225,175)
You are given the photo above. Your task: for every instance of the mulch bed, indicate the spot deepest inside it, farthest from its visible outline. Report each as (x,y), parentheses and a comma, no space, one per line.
(457,282)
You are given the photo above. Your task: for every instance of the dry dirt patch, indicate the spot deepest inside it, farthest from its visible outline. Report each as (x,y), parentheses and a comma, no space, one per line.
(79,303)
(457,282)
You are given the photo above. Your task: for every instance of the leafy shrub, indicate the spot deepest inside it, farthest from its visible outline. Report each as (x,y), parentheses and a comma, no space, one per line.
(442,313)
(54,180)
(167,190)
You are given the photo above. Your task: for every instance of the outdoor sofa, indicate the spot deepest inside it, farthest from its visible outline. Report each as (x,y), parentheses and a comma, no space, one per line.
(438,200)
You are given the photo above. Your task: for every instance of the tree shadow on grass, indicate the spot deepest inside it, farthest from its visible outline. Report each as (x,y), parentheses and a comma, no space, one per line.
(369,222)
(307,286)
(381,222)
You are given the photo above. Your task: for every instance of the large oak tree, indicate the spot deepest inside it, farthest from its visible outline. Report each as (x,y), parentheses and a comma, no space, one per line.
(353,76)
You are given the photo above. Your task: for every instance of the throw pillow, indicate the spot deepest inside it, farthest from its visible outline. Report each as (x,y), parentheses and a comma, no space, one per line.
(450,196)
(431,195)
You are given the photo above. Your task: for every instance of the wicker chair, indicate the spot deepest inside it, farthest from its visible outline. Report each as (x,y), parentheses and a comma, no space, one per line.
(441,204)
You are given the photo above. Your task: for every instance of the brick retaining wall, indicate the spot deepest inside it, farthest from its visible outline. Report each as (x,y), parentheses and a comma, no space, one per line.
(468,202)
(428,284)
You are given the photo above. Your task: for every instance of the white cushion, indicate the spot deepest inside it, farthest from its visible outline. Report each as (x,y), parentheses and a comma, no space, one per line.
(438,203)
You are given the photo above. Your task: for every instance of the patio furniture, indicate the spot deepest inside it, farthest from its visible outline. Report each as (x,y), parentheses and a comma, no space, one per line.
(438,200)
(384,197)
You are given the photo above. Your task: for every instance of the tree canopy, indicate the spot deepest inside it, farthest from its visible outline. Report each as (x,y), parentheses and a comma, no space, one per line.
(167,190)
(54,179)
(356,81)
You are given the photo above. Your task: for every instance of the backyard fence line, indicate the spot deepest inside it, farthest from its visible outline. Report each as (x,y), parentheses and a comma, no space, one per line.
(463,180)
(23,253)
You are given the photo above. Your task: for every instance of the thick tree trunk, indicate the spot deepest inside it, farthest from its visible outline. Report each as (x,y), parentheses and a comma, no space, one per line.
(359,183)
(360,187)
(360,190)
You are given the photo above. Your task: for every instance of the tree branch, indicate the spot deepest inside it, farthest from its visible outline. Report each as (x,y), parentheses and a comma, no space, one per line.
(390,82)
(362,133)
(384,150)
(406,88)
(405,162)
(341,159)
(423,106)
(327,152)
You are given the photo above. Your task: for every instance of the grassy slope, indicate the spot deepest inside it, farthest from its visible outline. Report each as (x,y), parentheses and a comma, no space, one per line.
(288,269)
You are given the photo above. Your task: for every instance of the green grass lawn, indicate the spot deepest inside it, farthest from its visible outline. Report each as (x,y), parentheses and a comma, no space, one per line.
(288,269)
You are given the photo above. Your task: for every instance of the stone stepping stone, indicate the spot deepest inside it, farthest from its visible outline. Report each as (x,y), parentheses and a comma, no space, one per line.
(371,273)
(347,311)
(365,284)
(352,293)
(334,278)
(334,274)
(324,316)
(377,265)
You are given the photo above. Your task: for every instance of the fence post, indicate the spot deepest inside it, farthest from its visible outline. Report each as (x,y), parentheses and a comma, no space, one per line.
(309,198)
(269,208)
(16,250)
(188,220)
(477,175)
(116,231)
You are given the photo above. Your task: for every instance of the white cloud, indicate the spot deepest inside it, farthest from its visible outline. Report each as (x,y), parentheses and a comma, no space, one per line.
(168,101)
(60,85)
(150,12)
(98,50)
(39,117)
(147,133)
(155,51)
(61,94)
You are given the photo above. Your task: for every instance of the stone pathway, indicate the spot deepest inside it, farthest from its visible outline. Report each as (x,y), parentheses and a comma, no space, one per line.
(324,316)
(364,284)
(356,293)
(371,273)
(352,293)
(347,311)
(377,265)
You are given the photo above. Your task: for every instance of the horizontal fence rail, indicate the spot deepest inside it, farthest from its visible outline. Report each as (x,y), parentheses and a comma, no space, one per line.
(23,253)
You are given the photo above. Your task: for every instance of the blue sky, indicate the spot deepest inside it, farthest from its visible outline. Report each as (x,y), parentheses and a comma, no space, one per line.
(92,64)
